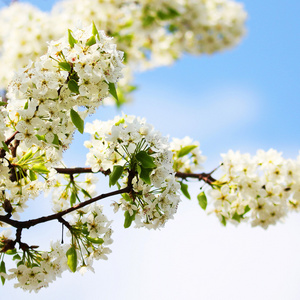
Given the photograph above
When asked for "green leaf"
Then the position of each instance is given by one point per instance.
(173, 12)
(16, 257)
(26, 156)
(91, 41)
(128, 219)
(26, 105)
(223, 221)
(77, 121)
(148, 20)
(145, 174)
(72, 258)
(2, 103)
(72, 198)
(73, 86)
(4, 146)
(202, 200)
(32, 175)
(55, 140)
(127, 197)
(112, 90)
(40, 168)
(237, 217)
(65, 66)
(247, 208)
(41, 137)
(11, 251)
(184, 190)
(145, 159)
(186, 150)
(98, 241)
(86, 193)
(115, 175)
(2, 269)
(95, 30)
(72, 41)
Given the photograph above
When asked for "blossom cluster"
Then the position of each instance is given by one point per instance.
(128, 144)
(91, 234)
(44, 98)
(187, 156)
(150, 33)
(47, 101)
(260, 188)
(24, 31)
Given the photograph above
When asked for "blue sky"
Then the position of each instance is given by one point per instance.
(243, 99)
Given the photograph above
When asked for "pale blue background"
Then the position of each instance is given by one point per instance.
(243, 99)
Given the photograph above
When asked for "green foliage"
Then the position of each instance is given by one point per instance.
(72, 41)
(202, 200)
(115, 175)
(65, 66)
(128, 219)
(73, 86)
(77, 121)
(39, 168)
(184, 190)
(4, 146)
(72, 258)
(145, 159)
(91, 41)
(3, 270)
(186, 150)
(112, 90)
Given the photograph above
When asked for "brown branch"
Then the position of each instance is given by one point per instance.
(206, 177)
(78, 170)
(58, 216)
(11, 138)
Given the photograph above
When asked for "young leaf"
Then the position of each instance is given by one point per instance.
(11, 251)
(77, 121)
(4, 146)
(115, 175)
(126, 197)
(39, 168)
(26, 156)
(237, 217)
(145, 159)
(16, 257)
(145, 175)
(55, 140)
(98, 241)
(86, 193)
(91, 41)
(73, 198)
(223, 221)
(72, 41)
(128, 219)
(186, 150)
(2, 269)
(32, 175)
(112, 90)
(202, 200)
(184, 189)
(247, 208)
(72, 258)
(65, 66)
(73, 86)
(95, 30)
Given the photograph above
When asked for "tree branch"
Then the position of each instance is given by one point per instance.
(206, 177)
(58, 216)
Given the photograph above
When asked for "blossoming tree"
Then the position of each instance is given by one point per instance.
(49, 90)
